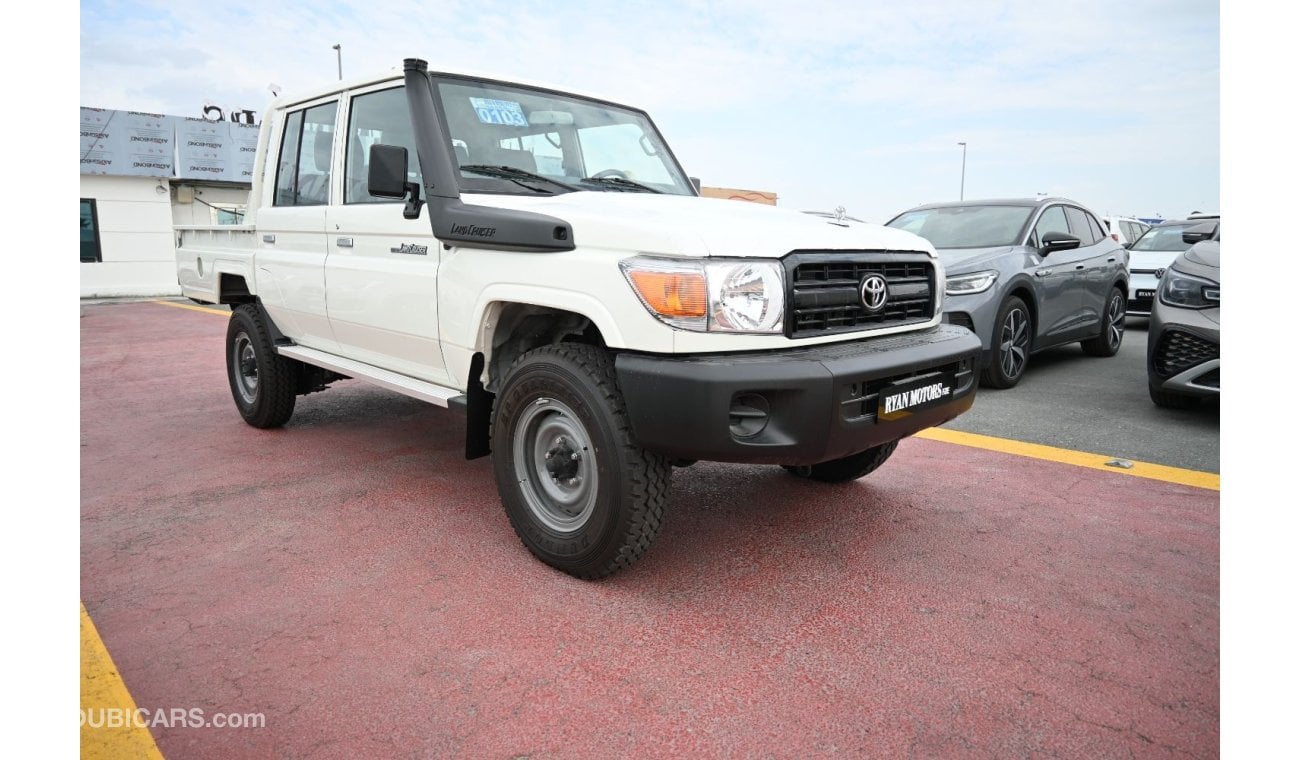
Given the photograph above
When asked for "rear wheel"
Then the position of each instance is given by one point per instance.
(848, 468)
(263, 383)
(581, 495)
(1011, 337)
(1112, 328)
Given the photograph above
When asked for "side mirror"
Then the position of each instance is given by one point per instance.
(1058, 241)
(387, 178)
(1194, 235)
(1129, 244)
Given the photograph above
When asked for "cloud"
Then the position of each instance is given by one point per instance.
(801, 98)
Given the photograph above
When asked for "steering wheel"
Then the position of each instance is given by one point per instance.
(611, 173)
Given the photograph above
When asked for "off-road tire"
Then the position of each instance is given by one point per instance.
(572, 387)
(848, 468)
(1004, 372)
(1108, 341)
(266, 402)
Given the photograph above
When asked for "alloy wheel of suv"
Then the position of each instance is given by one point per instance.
(1112, 329)
(1010, 344)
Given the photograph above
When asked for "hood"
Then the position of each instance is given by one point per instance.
(678, 225)
(1201, 260)
(963, 260)
(1205, 253)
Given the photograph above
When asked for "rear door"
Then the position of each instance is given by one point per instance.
(291, 225)
(381, 271)
(1096, 266)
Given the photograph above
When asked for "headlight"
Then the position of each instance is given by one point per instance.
(969, 284)
(1183, 290)
(716, 295)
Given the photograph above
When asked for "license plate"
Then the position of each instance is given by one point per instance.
(1146, 293)
(914, 394)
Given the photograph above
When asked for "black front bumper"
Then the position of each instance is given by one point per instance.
(797, 406)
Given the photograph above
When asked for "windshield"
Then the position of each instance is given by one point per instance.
(966, 226)
(1165, 237)
(577, 144)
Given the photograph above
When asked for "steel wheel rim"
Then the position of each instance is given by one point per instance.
(1014, 350)
(1115, 328)
(554, 466)
(244, 358)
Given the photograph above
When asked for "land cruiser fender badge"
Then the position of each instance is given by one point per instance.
(418, 250)
(873, 291)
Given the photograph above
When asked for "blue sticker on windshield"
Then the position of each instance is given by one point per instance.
(503, 112)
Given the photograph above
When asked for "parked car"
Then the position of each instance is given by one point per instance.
(1183, 338)
(1026, 275)
(1124, 229)
(1151, 254)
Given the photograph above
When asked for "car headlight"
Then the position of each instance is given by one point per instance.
(715, 295)
(969, 284)
(1188, 292)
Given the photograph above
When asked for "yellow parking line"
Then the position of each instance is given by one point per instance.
(193, 307)
(108, 730)
(1194, 478)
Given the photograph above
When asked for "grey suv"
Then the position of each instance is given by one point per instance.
(1026, 275)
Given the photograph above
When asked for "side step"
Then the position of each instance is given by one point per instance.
(407, 386)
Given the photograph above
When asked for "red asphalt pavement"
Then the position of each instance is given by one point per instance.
(353, 578)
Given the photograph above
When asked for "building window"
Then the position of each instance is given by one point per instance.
(89, 232)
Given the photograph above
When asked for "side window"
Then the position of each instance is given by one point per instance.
(286, 177)
(314, 155)
(377, 118)
(1097, 232)
(1052, 220)
(303, 177)
(1079, 226)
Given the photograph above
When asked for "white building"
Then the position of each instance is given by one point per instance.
(143, 173)
(127, 245)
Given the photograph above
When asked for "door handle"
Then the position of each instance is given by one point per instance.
(1111, 260)
(344, 242)
(1078, 266)
(268, 238)
(1042, 272)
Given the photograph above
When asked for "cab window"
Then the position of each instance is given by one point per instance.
(377, 118)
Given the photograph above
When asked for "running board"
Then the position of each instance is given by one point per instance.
(407, 386)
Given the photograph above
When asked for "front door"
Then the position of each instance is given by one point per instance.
(381, 271)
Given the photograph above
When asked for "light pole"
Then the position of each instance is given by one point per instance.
(963, 171)
(339, 49)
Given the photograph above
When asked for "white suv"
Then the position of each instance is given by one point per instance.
(1125, 229)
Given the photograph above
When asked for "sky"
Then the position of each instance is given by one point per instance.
(861, 105)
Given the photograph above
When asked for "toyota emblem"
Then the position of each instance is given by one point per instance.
(874, 292)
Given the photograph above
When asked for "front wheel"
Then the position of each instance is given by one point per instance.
(1112, 328)
(263, 383)
(581, 495)
(1011, 339)
(848, 468)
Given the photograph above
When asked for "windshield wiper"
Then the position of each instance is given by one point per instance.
(515, 174)
(621, 182)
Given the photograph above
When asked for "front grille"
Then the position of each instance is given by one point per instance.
(824, 291)
(1178, 351)
(1140, 305)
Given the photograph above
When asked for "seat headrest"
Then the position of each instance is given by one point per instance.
(323, 147)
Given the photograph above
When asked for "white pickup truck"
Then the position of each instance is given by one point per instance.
(539, 260)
